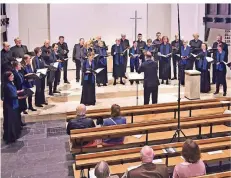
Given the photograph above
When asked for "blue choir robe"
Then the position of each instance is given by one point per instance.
(134, 61)
(54, 75)
(220, 67)
(165, 63)
(88, 90)
(11, 114)
(19, 84)
(203, 66)
(26, 70)
(149, 48)
(185, 52)
(118, 61)
(102, 63)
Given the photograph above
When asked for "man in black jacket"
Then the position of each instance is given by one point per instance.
(151, 80)
(19, 50)
(125, 43)
(63, 50)
(79, 55)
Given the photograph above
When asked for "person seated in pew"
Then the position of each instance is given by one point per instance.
(102, 170)
(192, 166)
(147, 169)
(115, 119)
(80, 122)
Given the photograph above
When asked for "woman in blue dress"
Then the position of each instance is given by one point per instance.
(11, 111)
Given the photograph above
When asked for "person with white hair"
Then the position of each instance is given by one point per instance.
(195, 45)
(148, 169)
(102, 170)
(117, 51)
(19, 50)
(80, 122)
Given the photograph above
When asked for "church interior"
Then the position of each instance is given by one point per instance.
(182, 113)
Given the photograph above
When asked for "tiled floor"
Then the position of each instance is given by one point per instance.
(38, 154)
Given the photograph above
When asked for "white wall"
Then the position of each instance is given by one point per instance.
(13, 27)
(33, 24)
(191, 20)
(159, 19)
(90, 20)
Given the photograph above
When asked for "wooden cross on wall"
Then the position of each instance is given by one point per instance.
(136, 18)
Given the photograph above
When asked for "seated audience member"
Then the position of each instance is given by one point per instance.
(192, 166)
(80, 122)
(147, 169)
(115, 119)
(102, 170)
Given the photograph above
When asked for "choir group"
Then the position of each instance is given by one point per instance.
(20, 71)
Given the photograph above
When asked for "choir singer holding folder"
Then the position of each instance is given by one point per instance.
(88, 90)
(38, 64)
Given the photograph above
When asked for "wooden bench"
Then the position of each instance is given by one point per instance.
(157, 108)
(226, 174)
(120, 160)
(155, 130)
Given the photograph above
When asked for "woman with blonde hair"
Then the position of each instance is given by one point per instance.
(88, 89)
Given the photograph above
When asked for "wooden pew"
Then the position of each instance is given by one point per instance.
(157, 108)
(120, 160)
(148, 128)
(226, 174)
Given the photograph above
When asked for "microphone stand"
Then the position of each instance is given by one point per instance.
(178, 130)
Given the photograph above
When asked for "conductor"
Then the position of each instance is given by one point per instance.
(151, 80)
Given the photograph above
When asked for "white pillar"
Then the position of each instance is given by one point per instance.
(13, 27)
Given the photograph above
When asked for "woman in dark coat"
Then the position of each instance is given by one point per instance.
(203, 67)
(38, 63)
(165, 62)
(11, 112)
(101, 77)
(88, 90)
(27, 69)
(19, 84)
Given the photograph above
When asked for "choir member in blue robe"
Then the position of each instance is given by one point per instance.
(101, 77)
(54, 76)
(165, 62)
(88, 90)
(134, 60)
(225, 49)
(141, 45)
(149, 47)
(185, 54)
(19, 84)
(39, 63)
(220, 70)
(11, 113)
(203, 67)
(27, 69)
(118, 62)
(195, 45)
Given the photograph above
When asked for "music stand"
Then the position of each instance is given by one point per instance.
(135, 77)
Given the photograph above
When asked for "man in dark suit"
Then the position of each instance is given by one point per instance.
(141, 45)
(151, 80)
(79, 55)
(125, 43)
(63, 50)
(147, 168)
(225, 48)
(19, 50)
